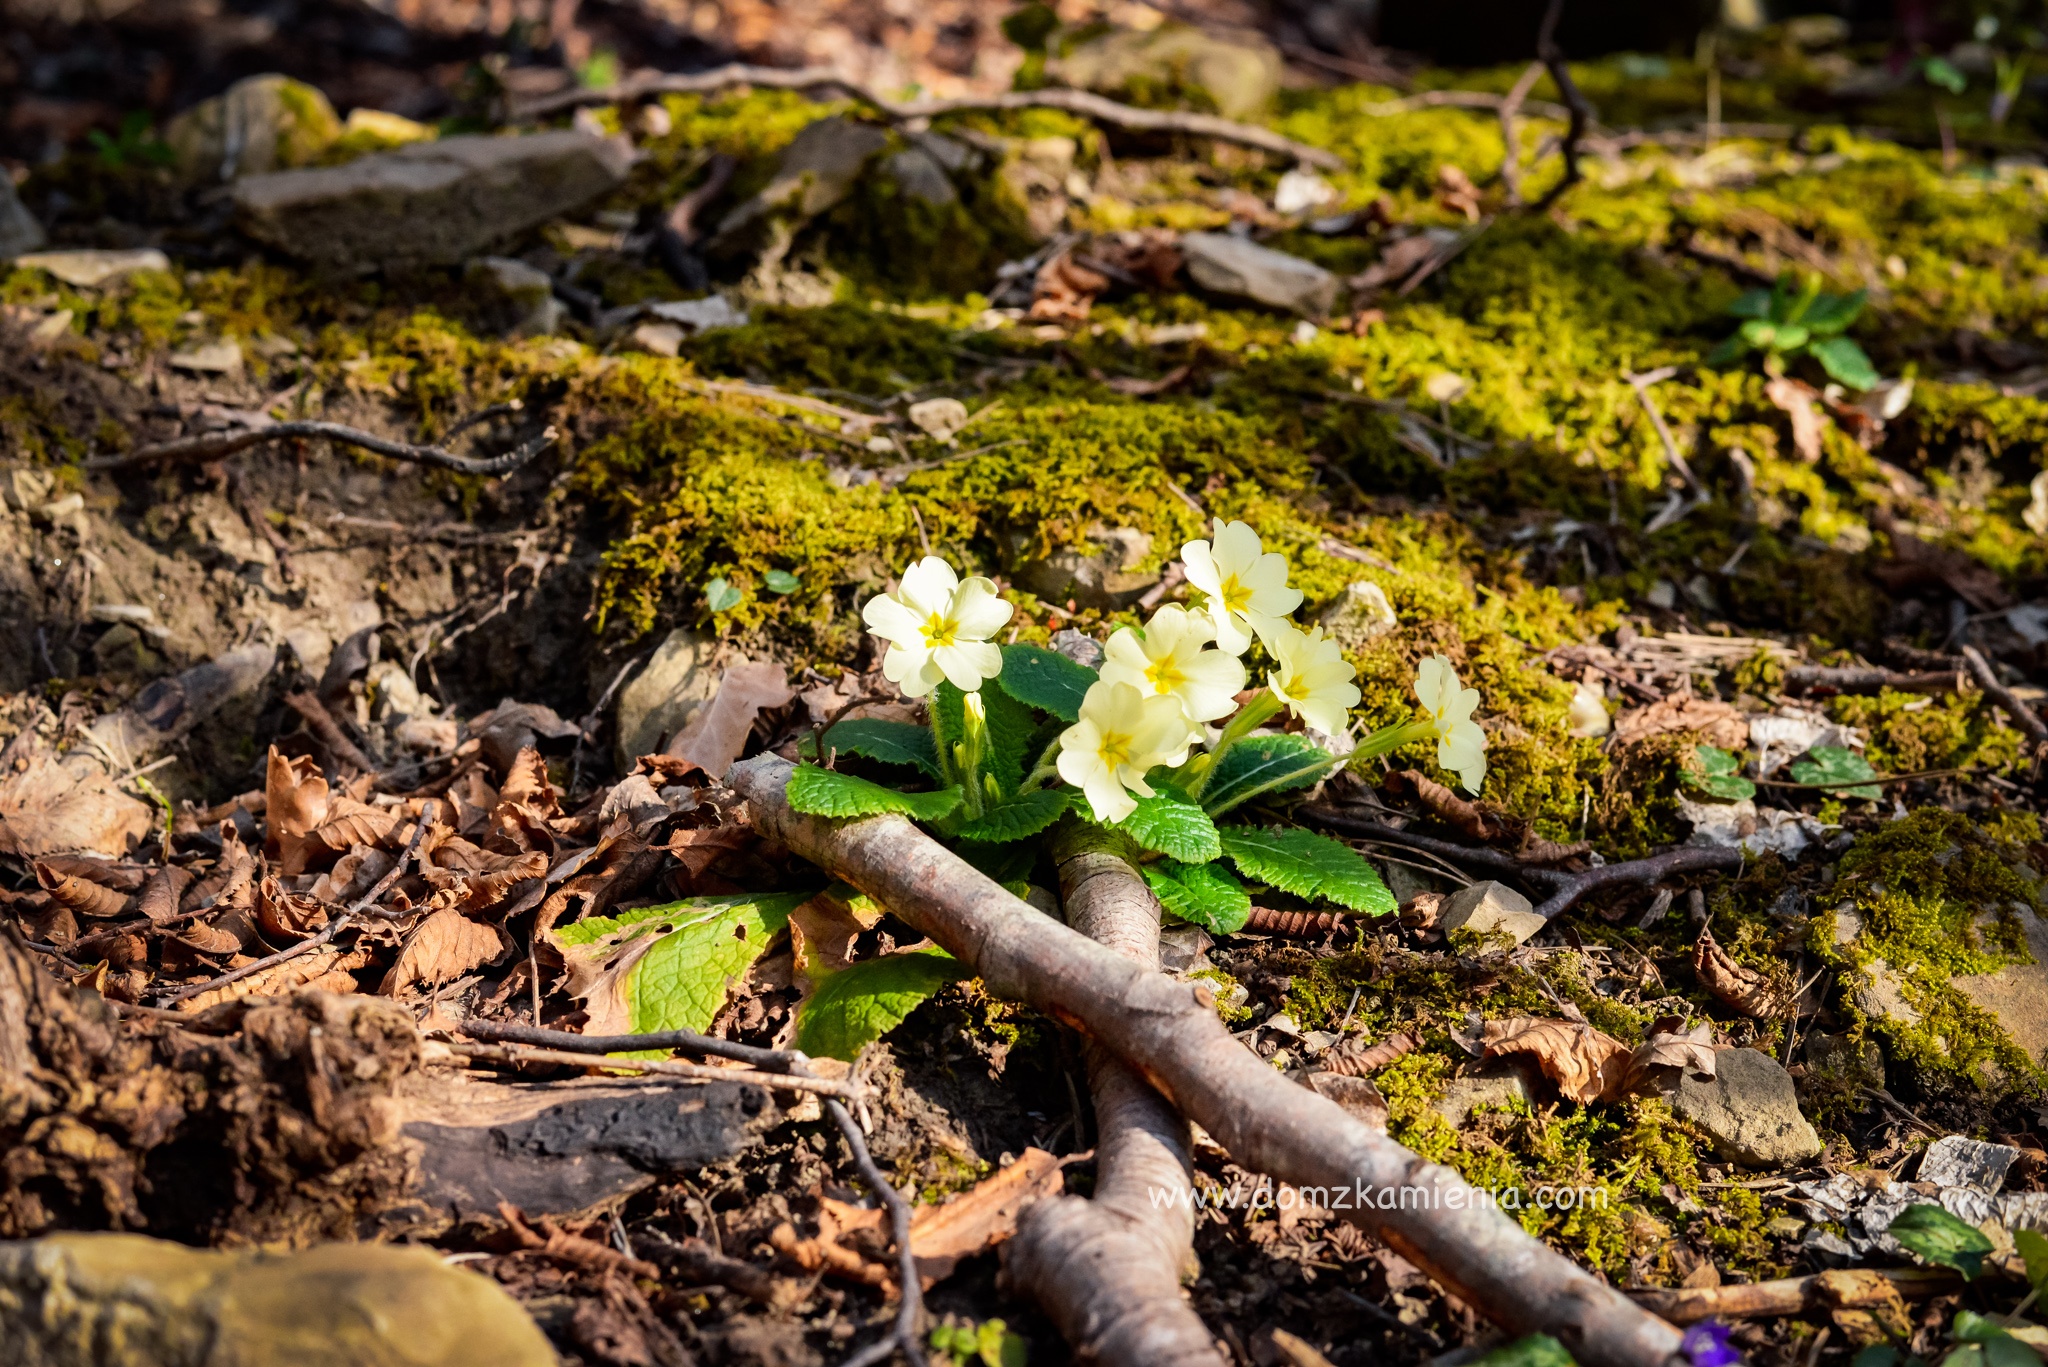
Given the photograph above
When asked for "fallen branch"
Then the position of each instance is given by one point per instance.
(1084, 103)
(1169, 1032)
(1511, 159)
(787, 1082)
(328, 731)
(217, 445)
(1552, 57)
(1866, 679)
(1107, 1269)
(1566, 888)
(1846, 1290)
(2023, 716)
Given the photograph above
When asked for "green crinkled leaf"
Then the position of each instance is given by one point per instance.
(1011, 727)
(1719, 775)
(1535, 1350)
(1841, 769)
(670, 967)
(1309, 866)
(827, 792)
(720, 595)
(781, 582)
(1045, 679)
(2033, 1248)
(1264, 764)
(1752, 304)
(1829, 314)
(891, 742)
(863, 1002)
(1174, 826)
(1202, 894)
(1017, 817)
(1845, 362)
(1941, 1238)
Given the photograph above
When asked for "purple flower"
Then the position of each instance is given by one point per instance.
(1706, 1345)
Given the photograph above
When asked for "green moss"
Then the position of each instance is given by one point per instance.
(1914, 732)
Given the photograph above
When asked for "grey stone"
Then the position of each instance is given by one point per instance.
(818, 169)
(432, 203)
(700, 315)
(2017, 995)
(660, 699)
(19, 231)
(89, 268)
(1748, 1109)
(1487, 908)
(920, 176)
(1239, 71)
(124, 1300)
(1878, 992)
(1498, 1084)
(1079, 647)
(1242, 268)
(211, 358)
(1842, 1061)
(516, 298)
(1104, 578)
(1359, 614)
(258, 124)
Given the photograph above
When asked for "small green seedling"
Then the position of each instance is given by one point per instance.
(720, 595)
(1942, 1239)
(988, 1344)
(1719, 774)
(1843, 771)
(1786, 323)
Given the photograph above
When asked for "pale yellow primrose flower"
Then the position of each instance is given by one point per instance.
(1314, 678)
(937, 626)
(1169, 659)
(1460, 744)
(1122, 734)
(1246, 584)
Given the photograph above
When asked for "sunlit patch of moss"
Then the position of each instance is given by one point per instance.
(1914, 732)
(846, 347)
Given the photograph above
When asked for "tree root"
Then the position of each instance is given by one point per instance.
(1565, 888)
(1168, 1031)
(1845, 1290)
(2023, 716)
(216, 445)
(1107, 1269)
(1081, 102)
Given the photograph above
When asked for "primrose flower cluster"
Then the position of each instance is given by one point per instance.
(1162, 689)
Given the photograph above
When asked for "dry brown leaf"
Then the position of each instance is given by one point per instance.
(1718, 722)
(354, 874)
(1801, 403)
(1064, 291)
(1668, 1045)
(717, 734)
(1152, 256)
(295, 803)
(161, 895)
(1745, 989)
(487, 878)
(350, 823)
(822, 930)
(444, 947)
(1355, 1058)
(286, 915)
(81, 896)
(51, 807)
(1447, 807)
(527, 782)
(117, 948)
(326, 969)
(699, 848)
(1586, 1064)
(972, 1222)
(105, 872)
(204, 939)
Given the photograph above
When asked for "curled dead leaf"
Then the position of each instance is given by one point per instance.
(1064, 290)
(1717, 722)
(1355, 1058)
(1468, 818)
(1586, 1064)
(325, 969)
(80, 895)
(444, 947)
(1745, 989)
(1669, 1045)
(1799, 402)
(287, 915)
(295, 803)
(717, 733)
(161, 895)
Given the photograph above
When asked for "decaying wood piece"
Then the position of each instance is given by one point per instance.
(1108, 1269)
(2024, 717)
(1169, 1032)
(1847, 1289)
(287, 1120)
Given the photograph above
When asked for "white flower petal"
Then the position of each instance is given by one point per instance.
(977, 612)
(967, 663)
(928, 585)
(892, 621)
(1199, 561)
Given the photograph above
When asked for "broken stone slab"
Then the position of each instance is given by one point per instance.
(711, 312)
(1242, 268)
(1880, 994)
(919, 176)
(124, 1300)
(1358, 615)
(1748, 1109)
(1865, 1213)
(2017, 995)
(517, 299)
(1079, 647)
(19, 230)
(659, 701)
(258, 124)
(1106, 578)
(90, 268)
(1741, 823)
(432, 203)
(1498, 1085)
(817, 170)
(1487, 908)
(1959, 1161)
(211, 358)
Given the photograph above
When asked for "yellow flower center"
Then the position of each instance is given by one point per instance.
(1115, 749)
(1236, 597)
(1165, 675)
(938, 632)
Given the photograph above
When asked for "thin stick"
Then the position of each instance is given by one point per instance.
(1511, 160)
(2023, 716)
(332, 929)
(328, 731)
(680, 1041)
(1552, 57)
(788, 1082)
(1460, 99)
(1860, 782)
(217, 445)
(1641, 384)
(1081, 102)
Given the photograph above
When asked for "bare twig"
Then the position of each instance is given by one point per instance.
(1552, 57)
(1510, 109)
(1107, 1268)
(1866, 679)
(328, 731)
(1090, 106)
(904, 1335)
(1566, 888)
(1168, 1031)
(1460, 99)
(680, 1041)
(657, 1067)
(2023, 716)
(1641, 384)
(216, 445)
(1794, 1295)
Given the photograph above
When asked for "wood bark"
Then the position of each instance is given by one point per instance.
(1169, 1032)
(1108, 1269)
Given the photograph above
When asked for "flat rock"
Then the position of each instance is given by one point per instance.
(89, 268)
(1240, 267)
(711, 312)
(1359, 614)
(432, 203)
(1106, 577)
(658, 700)
(1239, 71)
(2017, 995)
(19, 230)
(123, 1300)
(212, 358)
(817, 170)
(1878, 991)
(1485, 908)
(1959, 1161)
(518, 299)
(1498, 1085)
(1748, 1109)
